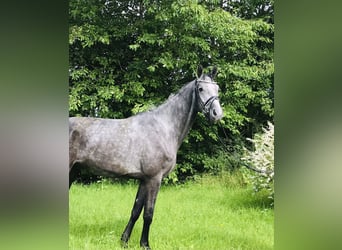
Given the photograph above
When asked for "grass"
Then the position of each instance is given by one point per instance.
(210, 213)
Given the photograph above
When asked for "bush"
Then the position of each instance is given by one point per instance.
(262, 159)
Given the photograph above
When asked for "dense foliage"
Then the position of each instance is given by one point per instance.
(128, 56)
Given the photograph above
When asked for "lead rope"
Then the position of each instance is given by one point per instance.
(240, 162)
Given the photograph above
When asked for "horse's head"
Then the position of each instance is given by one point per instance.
(207, 95)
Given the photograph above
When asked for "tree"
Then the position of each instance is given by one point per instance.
(127, 56)
(250, 9)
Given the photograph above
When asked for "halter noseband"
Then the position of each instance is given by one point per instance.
(205, 106)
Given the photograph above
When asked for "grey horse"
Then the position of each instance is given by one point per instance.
(143, 146)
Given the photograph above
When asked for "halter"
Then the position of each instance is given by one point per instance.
(205, 106)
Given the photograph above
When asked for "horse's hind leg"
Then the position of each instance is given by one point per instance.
(136, 210)
(152, 186)
(73, 172)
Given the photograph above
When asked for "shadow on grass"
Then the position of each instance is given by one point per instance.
(238, 193)
(248, 199)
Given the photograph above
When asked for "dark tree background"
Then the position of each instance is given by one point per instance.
(128, 56)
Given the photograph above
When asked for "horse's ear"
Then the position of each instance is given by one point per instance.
(213, 72)
(199, 71)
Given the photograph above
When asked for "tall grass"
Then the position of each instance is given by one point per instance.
(210, 213)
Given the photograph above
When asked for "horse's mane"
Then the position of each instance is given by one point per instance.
(172, 97)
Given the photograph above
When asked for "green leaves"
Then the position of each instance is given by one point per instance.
(128, 56)
(88, 35)
(166, 60)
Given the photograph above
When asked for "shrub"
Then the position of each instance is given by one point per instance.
(262, 159)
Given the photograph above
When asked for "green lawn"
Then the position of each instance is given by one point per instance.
(210, 213)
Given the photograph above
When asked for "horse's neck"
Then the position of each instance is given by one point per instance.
(179, 113)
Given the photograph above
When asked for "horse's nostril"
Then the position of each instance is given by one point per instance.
(214, 112)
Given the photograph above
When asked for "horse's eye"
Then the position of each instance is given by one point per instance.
(200, 89)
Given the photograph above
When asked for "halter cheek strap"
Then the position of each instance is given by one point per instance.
(205, 106)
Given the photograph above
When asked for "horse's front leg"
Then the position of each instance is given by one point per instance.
(152, 186)
(136, 210)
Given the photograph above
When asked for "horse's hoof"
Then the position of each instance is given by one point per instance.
(145, 247)
(124, 244)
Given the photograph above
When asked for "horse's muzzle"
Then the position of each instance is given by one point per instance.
(215, 113)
